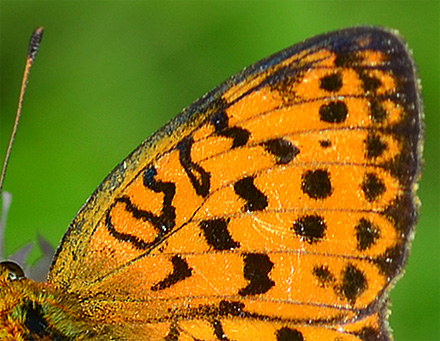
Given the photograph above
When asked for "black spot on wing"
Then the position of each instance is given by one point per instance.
(283, 150)
(288, 334)
(374, 146)
(210, 312)
(369, 83)
(220, 121)
(377, 112)
(311, 228)
(370, 334)
(354, 283)
(200, 178)
(180, 271)
(392, 260)
(239, 136)
(217, 235)
(402, 212)
(325, 143)
(366, 234)
(255, 199)
(256, 270)
(372, 187)
(331, 83)
(324, 276)
(316, 183)
(333, 112)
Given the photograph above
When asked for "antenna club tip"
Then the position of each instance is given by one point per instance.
(34, 43)
(39, 30)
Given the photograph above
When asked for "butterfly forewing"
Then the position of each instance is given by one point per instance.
(281, 204)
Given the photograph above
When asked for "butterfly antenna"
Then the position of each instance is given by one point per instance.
(34, 43)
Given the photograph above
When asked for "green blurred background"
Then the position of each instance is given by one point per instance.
(111, 73)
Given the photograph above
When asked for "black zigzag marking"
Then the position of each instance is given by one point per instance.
(200, 178)
(181, 270)
(240, 136)
(163, 223)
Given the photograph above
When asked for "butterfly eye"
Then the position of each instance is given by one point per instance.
(15, 272)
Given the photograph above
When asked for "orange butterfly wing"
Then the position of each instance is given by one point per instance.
(279, 206)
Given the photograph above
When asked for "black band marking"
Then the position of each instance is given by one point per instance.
(231, 308)
(218, 330)
(347, 59)
(239, 135)
(284, 79)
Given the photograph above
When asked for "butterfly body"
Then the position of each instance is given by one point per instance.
(279, 206)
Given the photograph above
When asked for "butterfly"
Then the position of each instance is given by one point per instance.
(279, 206)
